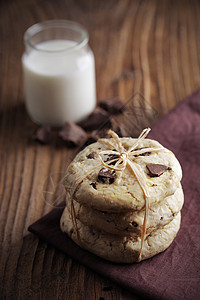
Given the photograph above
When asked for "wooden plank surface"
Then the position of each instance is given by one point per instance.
(150, 47)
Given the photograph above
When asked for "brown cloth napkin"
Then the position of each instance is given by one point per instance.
(175, 273)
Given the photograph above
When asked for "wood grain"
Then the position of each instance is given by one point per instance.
(147, 47)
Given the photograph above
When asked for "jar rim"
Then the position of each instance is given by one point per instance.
(34, 29)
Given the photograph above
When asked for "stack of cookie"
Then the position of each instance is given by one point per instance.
(123, 198)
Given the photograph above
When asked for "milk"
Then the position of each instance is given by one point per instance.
(59, 80)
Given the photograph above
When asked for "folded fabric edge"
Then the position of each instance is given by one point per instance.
(45, 227)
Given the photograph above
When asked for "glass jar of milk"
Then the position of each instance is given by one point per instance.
(59, 73)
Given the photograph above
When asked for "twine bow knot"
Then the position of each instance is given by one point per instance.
(126, 157)
(122, 159)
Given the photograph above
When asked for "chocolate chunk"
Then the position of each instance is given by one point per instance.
(43, 134)
(99, 118)
(100, 134)
(94, 185)
(95, 135)
(109, 157)
(88, 142)
(72, 134)
(106, 175)
(112, 105)
(134, 224)
(91, 155)
(156, 170)
(143, 154)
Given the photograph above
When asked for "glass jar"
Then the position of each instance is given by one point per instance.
(59, 73)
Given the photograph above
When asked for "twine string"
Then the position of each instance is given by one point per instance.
(123, 159)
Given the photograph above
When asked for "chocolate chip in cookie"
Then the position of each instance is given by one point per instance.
(106, 175)
(155, 170)
(91, 155)
(109, 157)
(94, 185)
(143, 154)
(134, 224)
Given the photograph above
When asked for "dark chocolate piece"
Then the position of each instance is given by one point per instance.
(99, 118)
(91, 155)
(88, 142)
(72, 134)
(106, 175)
(43, 134)
(155, 170)
(95, 135)
(100, 134)
(112, 105)
(94, 185)
(109, 157)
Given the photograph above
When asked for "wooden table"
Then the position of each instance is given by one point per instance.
(151, 47)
